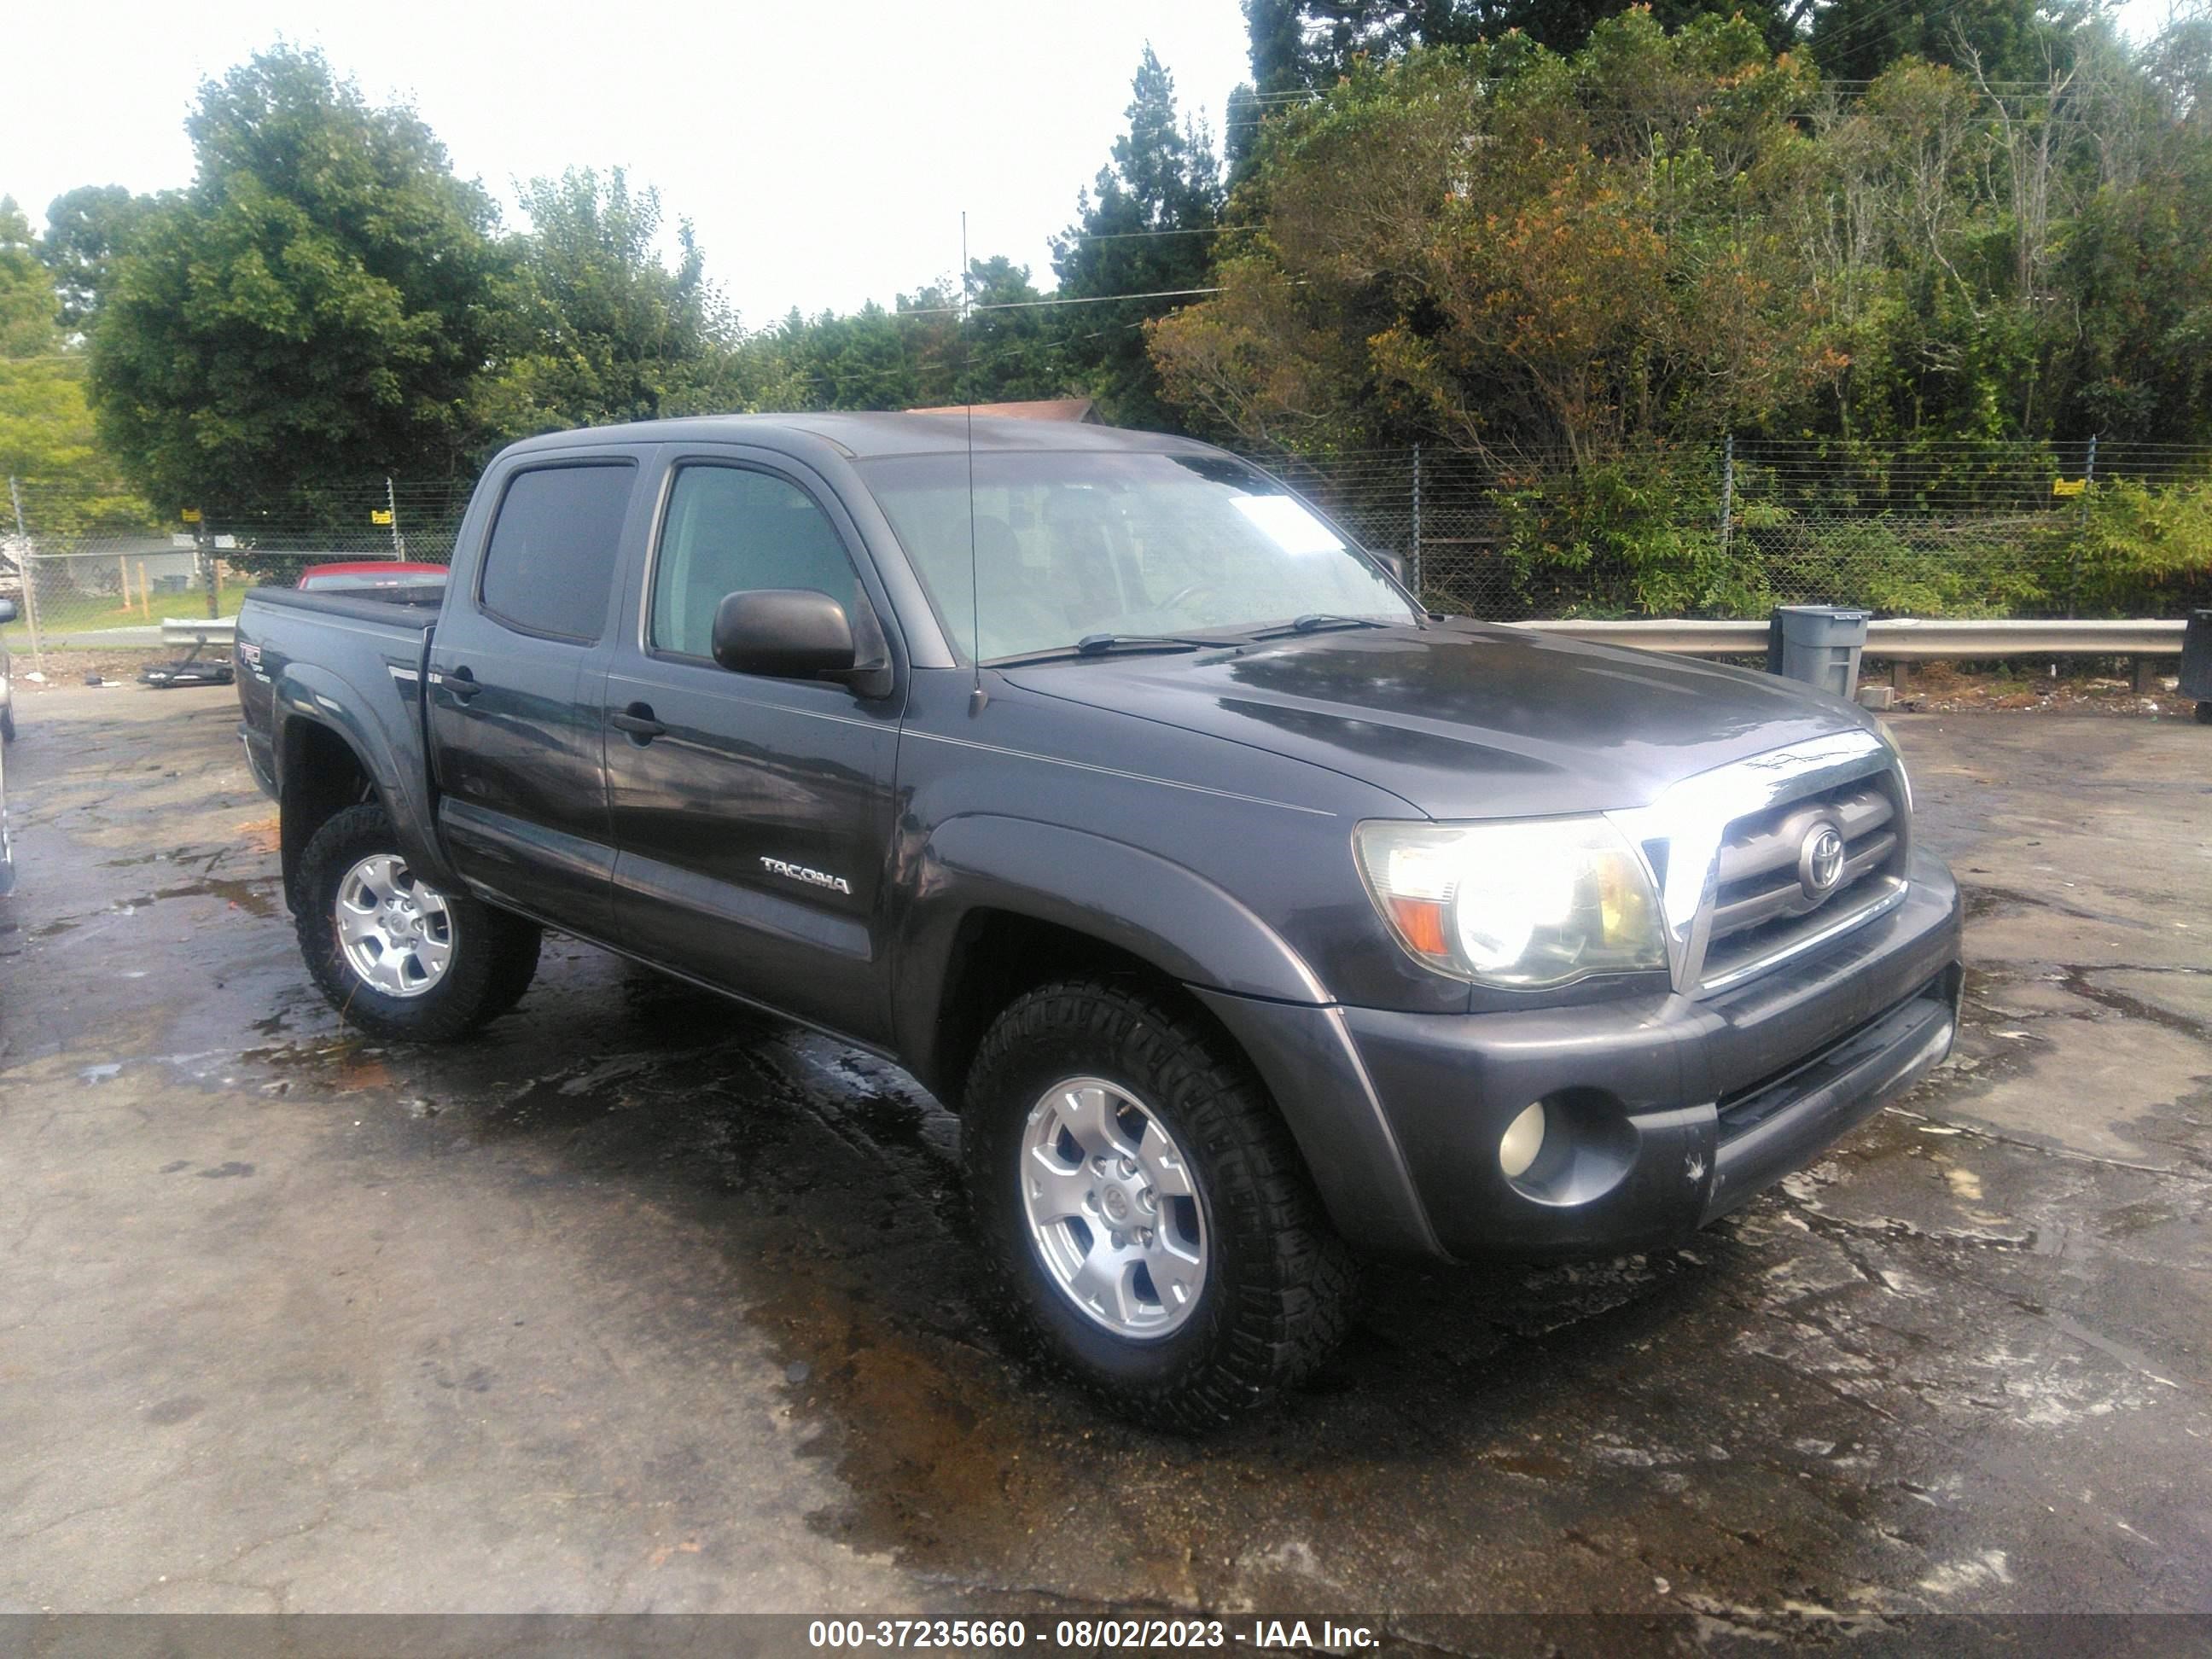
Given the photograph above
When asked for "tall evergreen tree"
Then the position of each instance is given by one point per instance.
(1144, 228)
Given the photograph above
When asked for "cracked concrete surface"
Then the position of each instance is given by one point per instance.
(639, 1302)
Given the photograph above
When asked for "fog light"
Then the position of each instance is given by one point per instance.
(1522, 1140)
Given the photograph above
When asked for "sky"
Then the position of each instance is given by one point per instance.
(824, 151)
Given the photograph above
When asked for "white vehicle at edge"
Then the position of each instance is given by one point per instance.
(7, 736)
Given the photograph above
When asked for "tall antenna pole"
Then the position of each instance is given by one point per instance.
(977, 696)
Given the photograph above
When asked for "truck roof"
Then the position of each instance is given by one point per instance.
(865, 436)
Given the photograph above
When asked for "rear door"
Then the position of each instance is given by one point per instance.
(751, 816)
(516, 668)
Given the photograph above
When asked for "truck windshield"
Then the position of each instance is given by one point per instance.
(1076, 544)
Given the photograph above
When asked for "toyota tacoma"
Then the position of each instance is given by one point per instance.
(1254, 919)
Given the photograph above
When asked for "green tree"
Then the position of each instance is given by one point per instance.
(914, 354)
(1518, 252)
(317, 306)
(2134, 266)
(600, 329)
(29, 325)
(46, 437)
(2013, 39)
(1143, 226)
(1013, 346)
(1309, 44)
(86, 228)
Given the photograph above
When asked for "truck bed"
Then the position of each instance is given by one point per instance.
(409, 608)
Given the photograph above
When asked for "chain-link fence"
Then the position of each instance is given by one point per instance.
(91, 568)
(1951, 527)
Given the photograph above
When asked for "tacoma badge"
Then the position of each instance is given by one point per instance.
(812, 878)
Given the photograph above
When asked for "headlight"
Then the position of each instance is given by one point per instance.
(1525, 905)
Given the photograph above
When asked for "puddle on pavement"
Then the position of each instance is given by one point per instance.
(253, 894)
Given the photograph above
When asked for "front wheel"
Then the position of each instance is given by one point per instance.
(1143, 1208)
(395, 955)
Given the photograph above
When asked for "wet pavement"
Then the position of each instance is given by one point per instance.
(641, 1301)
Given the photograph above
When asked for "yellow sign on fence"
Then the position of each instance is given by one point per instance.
(190, 515)
(379, 515)
(2069, 486)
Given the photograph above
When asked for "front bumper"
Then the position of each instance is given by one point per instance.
(1665, 1112)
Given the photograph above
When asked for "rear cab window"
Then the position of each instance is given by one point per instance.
(549, 567)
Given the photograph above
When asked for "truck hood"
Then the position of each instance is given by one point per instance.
(1465, 720)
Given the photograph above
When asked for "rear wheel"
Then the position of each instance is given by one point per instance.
(1143, 1208)
(395, 955)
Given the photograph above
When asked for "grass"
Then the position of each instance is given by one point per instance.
(83, 613)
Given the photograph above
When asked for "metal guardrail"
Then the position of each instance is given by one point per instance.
(1897, 639)
(221, 630)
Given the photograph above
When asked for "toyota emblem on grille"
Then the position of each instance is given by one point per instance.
(1820, 861)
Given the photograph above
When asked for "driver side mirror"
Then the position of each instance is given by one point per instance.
(1392, 562)
(793, 634)
(7, 610)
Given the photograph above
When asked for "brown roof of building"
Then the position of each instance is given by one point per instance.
(1045, 409)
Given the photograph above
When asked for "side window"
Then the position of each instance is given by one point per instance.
(549, 566)
(731, 529)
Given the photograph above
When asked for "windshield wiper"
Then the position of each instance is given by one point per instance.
(1092, 645)
(1101, 645)
(1314, 622)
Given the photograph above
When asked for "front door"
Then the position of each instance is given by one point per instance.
(516, 668)
(751, 815)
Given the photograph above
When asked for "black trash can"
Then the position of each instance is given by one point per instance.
(2196, 664)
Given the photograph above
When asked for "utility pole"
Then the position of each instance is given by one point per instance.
(203, 550)
(30, 576)
(1728, 492)
(1417, 520)
(2081, 526)
(392, 517)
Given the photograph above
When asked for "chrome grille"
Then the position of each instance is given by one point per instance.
(1764, 909)
(1725, 845)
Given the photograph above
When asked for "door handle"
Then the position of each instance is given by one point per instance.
(461, 682)
(637, 721)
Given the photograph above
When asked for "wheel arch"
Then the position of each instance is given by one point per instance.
(1004, 904)
(328, 754)
(1009, 905)
(333, 749)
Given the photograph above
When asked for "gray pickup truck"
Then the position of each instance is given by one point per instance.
(1254, 919)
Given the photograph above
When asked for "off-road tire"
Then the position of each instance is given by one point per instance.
(495, 955)
(2204, 714)
(1278, 1294)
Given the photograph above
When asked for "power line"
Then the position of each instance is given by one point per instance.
(1136, 236)
(1070, 300)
